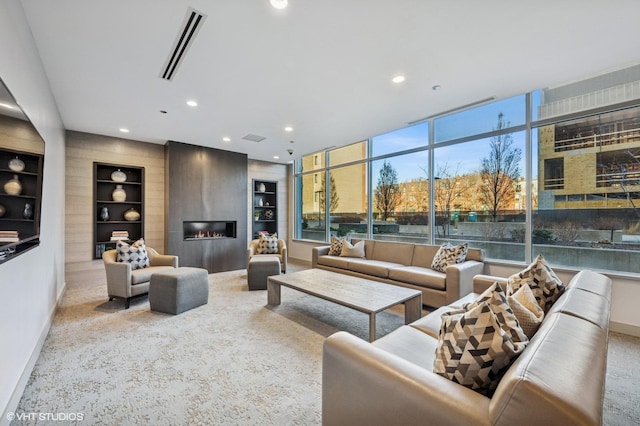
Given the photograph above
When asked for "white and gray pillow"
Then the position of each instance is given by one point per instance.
(352, 250)
(448, 255)
(526, 309)
(268, 244)
(544, 283)
(134, 254)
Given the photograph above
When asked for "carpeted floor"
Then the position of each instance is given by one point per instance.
(234, 361)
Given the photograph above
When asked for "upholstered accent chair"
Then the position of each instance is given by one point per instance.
(254, 250)
(124, 283)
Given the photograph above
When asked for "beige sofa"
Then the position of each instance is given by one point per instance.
(407, 265)
(557, 380)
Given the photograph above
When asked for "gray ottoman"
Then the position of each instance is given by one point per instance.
(178, 290)
(259, 268)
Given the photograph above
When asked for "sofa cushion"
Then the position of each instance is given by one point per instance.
(377, 268)
(141, 276)
(430, 324)
(423, 255)
(526, 309)
(336, 246)
(352, 250)
(496, 299)
(134, 254)
(473, 350)
(334, 261)
(419, 276)
(544, 283)
(410, 344)
(393, 252)
(449, 255)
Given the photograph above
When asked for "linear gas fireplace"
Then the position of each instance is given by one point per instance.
(209, 230)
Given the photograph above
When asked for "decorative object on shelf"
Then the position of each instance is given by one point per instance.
(131, 215)
(261, 187)
(104, 214)
(266, 204)
(119, 194)
(28, 211)
(256, 216)
(17, 165)
(119, 176)
(260, 202)
(268, 214)
(13, 186)
(2, 210)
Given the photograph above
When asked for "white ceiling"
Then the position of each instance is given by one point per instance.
(321, 66)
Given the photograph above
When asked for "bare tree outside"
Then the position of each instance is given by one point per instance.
(387, 193)
(334, 199)
(499, 170)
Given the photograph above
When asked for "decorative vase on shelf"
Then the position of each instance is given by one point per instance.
(261, 187)
(13, 186)
(131, 215)
(2, 210)
(28, 211)
(104, 214)
(119, 194)
(17, 165)
(260, 202)
(119, 176)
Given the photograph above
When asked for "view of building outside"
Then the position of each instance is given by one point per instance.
(582, 199)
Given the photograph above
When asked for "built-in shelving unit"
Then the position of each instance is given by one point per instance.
(104, 185)
(17, 218)
(265, 207)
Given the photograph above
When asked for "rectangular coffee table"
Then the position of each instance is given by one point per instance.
(367, 296)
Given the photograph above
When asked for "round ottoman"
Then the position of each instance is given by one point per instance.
(177, 290)
(259, 268)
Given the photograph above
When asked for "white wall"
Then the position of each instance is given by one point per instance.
(32, 283)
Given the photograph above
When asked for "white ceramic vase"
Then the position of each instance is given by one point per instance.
(17, 165)
(119, 176)
(119, 194)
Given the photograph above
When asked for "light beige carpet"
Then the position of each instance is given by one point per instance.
(234, 361)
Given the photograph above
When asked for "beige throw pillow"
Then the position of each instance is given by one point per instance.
(526, 309)
(355, 250)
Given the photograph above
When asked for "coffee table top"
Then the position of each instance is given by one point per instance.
(357, 293)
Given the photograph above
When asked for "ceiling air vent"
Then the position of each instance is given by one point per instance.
(254, 138)
(191, 24)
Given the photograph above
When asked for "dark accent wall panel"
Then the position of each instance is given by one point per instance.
(206, 184)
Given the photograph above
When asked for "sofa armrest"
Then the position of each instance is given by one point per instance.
(118, 279)
(459, 280)
(363, 384)
(164, 260)
(483, 282)
(317, 252)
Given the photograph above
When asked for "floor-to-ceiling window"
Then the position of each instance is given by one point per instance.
(553, 172)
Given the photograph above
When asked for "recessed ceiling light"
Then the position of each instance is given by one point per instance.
(275, 157)
(279, 4)
(288, 129)
(7, 106)
(226, 139)
(123, 130)
(192, 103)
(398, 79)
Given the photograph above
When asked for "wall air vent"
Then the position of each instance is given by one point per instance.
(191, 25)
(254, 138)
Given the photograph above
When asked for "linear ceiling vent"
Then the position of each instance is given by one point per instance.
(191, 25)
(254, 138)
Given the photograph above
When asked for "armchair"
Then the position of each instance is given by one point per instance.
(253, 250)
(125, 283)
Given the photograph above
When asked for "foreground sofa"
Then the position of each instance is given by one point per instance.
(557, 380)
(407, 265)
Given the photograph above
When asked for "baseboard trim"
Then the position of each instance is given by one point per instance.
(619, 327)
(26, 373)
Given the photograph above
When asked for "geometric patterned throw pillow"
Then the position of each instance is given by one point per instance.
(336, 246)
(473, 350)
(448, 255)
(268, 244)
(135, 254)
(544, 283)
(526, 309)
(496, 299)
